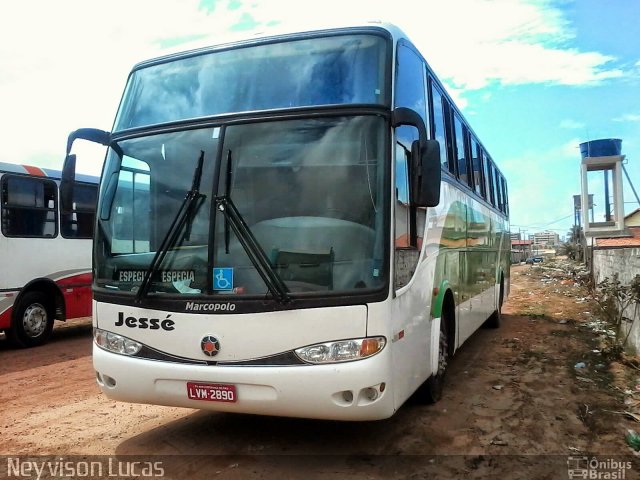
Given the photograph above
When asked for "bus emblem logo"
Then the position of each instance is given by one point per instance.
(210, 345)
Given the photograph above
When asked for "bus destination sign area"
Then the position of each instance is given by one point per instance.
(163, 276)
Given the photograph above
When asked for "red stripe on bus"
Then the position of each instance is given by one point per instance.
(83, 279)
(34, 171)
(5, 318)
(76, 291)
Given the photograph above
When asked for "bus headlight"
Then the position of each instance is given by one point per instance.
(115, 343)
(342, 350)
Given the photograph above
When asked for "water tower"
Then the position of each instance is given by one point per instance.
(602, 168)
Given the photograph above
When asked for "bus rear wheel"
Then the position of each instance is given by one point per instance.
(495, 319)
(32, 320)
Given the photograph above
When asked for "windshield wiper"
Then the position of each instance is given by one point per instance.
(252, 247)
(190, 205)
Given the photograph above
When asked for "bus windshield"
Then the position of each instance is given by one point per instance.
(336, 70)
(310, 192)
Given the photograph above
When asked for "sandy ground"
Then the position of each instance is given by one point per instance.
(514, 407)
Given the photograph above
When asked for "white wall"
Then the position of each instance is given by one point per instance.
(626, 263)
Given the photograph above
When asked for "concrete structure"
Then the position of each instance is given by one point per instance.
(625, 261)
(633, 219)
(520, 250)
(546, 238)
(603, 155)
(632, 241)
(621, 255)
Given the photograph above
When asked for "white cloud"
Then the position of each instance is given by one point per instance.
(571, 124)
(542, 184)
(511, 42)
(628, 117)
(69, 67)
(65, 63)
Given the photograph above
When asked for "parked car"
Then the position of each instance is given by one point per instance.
(532, 260)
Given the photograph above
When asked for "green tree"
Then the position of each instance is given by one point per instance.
(575, 235)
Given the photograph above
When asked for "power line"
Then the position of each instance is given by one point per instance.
(538, 225)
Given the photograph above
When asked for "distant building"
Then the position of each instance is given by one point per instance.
(633, 219)
(520, 250)
(546, 238)
(515, 236)
(632, 239)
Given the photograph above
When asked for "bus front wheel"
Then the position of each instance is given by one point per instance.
(431, 390)
(32, 320)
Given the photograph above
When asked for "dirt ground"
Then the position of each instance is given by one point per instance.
(515, 406)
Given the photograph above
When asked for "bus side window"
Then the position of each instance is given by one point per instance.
(460, 152)
(29, 207)
(487, 179)
(410, 88)
(503, 195)
(410, 221)
(496, 188)
(79, 223)
(506, 197)
(438, 130)
(402, 197)
(476, 163)
(131, 208)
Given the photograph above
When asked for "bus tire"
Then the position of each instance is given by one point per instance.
(495, 319)
(32, 320)
(431, 390)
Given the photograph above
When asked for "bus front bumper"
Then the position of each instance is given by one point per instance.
(358, 390)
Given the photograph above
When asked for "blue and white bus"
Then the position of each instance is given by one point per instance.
(300, 225)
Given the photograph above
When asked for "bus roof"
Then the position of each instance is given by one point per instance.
(42, 172)
(282, 32)
(211, 43)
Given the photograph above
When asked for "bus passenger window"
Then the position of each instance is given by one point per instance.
(402, 197)
(410, 221)
(79, 223)
(496, 188)
(438, 125)
(410, 90)
(487, 179)
(476, 163)
(29, 207)
(460, 153)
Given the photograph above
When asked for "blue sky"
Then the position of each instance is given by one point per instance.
(534, 78)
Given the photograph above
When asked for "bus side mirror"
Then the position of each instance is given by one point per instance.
(426, 174)
(69, 168)
(66, 184)
(425, 154)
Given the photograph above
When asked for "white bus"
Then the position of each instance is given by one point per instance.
(46, 253)
(299, 225)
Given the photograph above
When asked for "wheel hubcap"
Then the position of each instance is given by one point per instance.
(34, 320)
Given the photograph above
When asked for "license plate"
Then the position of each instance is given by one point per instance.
(211, 392)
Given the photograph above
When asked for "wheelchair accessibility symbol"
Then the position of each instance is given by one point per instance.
(223, 278)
